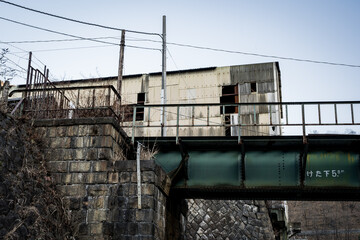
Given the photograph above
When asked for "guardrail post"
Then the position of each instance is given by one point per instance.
(133, 126)
(303, 122)
(208, 115)
(335, 110)
(177, 124)
(239, 125)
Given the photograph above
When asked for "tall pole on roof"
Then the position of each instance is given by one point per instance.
(163, 80)
(121, 62)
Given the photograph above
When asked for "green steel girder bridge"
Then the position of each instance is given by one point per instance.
(326, 167)
(299, 165)
(305, 166)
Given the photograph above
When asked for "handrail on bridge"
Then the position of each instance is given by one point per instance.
(71, 102)
(217, 119)
(272, 114)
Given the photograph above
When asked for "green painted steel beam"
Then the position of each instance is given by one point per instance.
(327, 167)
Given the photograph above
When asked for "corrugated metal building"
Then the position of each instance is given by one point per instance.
(232, 84)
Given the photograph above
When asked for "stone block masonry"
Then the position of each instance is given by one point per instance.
(228, 219)
(81, 156)
(86, 158)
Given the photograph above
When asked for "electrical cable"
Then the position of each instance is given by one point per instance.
(74, 36)
(56, 32)
(54, 40)
(202, 48)
(78, 21)
(263, 55)
(177, 44)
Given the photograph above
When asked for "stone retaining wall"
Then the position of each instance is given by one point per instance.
(86, 160)
(228, 219)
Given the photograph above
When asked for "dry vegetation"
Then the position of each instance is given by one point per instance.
(30, 208)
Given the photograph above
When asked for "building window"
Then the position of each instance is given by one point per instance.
(140, 110)
(253, 87)
(128, 110)
(229, 94)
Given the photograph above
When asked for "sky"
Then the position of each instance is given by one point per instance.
(322, 30)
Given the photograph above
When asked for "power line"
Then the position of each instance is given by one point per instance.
(170, 43)
(263, 55)
(78, 21)
(74, 36)
(55, 40)
(56, 32)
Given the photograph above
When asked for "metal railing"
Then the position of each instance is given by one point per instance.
(301, 115)
(236, 119)
(71, 102)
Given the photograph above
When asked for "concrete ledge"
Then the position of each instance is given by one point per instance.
(83, 121)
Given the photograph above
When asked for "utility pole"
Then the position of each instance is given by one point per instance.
(163, 80)
(121, 62)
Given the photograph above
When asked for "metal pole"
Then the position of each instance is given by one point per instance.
(138, 174)
(28, 78)
(163, 80)
(121, 62)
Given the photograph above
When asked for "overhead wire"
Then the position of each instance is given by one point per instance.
(176, 44)
(78, 21)
(74, 36)
(53, 40)
(263, 55)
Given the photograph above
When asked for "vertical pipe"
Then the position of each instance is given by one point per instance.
(287, 116)
(352, 113)
(270, 106)
(163, 80)
(138, 174)
(148, 116)
(319, 113)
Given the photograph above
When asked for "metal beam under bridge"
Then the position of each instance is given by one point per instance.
(326, 167)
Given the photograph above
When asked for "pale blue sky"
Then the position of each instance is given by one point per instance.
(316, 30)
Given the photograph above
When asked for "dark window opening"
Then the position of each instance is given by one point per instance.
(128, 110)
(140, 110)
(230, 95)
(253, 87)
